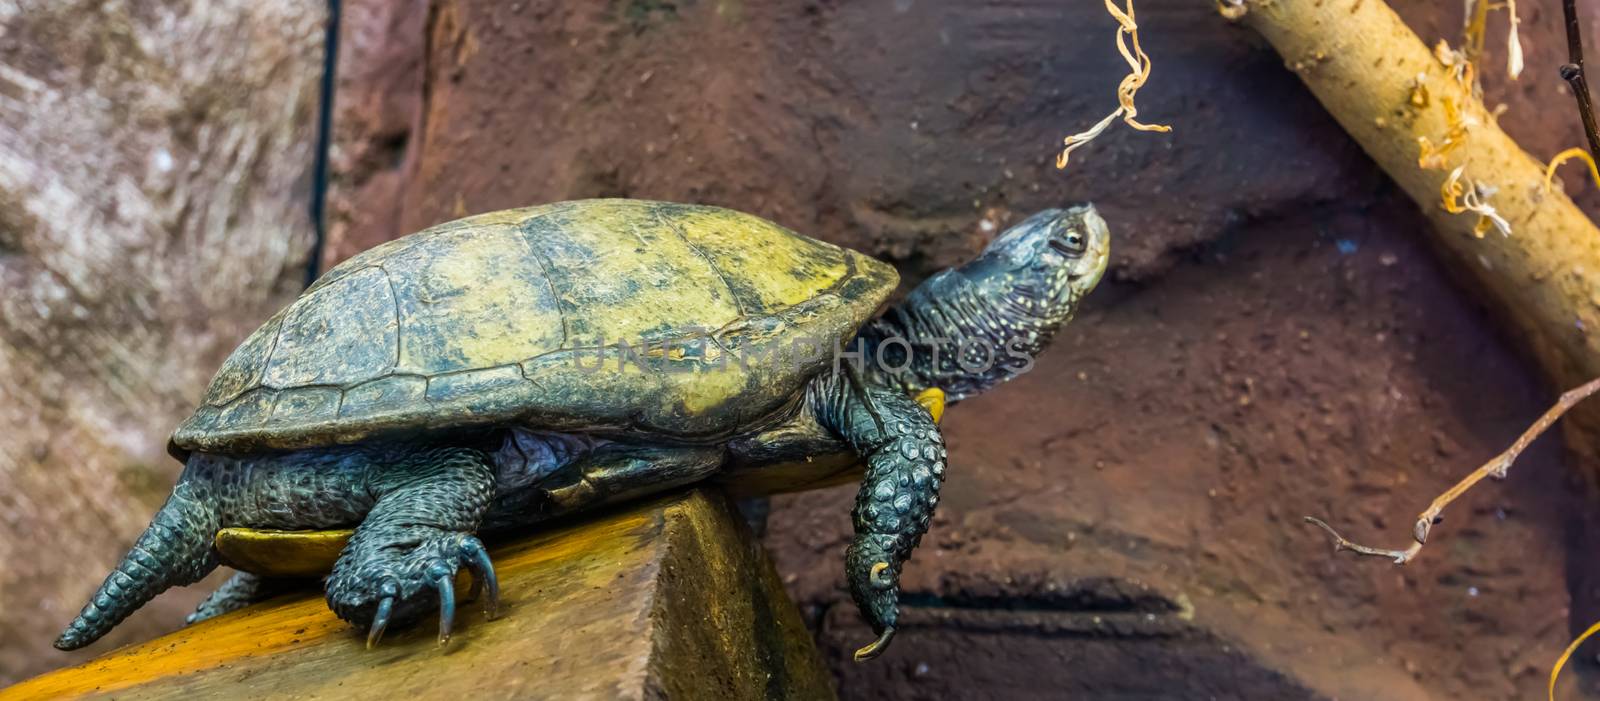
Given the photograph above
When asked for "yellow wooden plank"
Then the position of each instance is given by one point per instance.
(669, 597)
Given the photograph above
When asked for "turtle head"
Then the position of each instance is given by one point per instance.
(969, 328)
(1046, 263)
(873, 569)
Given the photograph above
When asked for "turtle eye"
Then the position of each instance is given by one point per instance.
(1071, 245)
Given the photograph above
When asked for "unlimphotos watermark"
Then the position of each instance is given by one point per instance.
(702, 352)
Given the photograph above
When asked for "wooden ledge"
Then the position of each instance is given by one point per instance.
(669, 599)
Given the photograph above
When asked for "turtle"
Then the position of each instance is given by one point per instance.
(505, 368)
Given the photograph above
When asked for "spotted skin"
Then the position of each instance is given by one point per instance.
(972, 327)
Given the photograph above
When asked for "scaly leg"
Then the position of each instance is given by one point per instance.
(304, 489)
(403, 558)
(905, 459)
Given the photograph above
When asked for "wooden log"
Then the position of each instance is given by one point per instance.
(668, 599)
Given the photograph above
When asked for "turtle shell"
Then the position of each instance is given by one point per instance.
(687, 322)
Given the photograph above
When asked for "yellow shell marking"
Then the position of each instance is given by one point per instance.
(659, 287)
(473, 299)
(791, 269)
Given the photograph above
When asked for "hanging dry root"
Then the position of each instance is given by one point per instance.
(1139, 67)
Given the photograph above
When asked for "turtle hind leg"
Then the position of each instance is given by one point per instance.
(315, 488)
(174, 550)
(241, 590)
(403, 559)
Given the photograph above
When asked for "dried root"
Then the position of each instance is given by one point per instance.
(1475, 26)
(1458, 194)
(1139, 67)
(1460, 64)
(1432, 157)
(1513, 43)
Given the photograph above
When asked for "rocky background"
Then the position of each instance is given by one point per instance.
(1275, 339)
(153, 190)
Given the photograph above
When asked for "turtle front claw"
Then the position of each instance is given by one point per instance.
(875, 585)
(380, 621)
(447, 602)
(483, 579)
(380, 586)
(877, 647)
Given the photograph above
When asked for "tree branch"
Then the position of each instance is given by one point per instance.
(1572, 72)
(1496, 468)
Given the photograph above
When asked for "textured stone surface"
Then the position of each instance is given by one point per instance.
(153, 162)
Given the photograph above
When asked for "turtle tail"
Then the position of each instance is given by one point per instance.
(176, 549)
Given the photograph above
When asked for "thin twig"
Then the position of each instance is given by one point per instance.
(1572, 72)
(1496, 468)
(1341, 543)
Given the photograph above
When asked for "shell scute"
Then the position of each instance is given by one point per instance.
(339, 334)
(627, 275)
(375, 397)
(472, 298)
(251, 409)
(459, 385)
(306, 404)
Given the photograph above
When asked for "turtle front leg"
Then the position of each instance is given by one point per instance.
(905, 458)
(403, 559)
